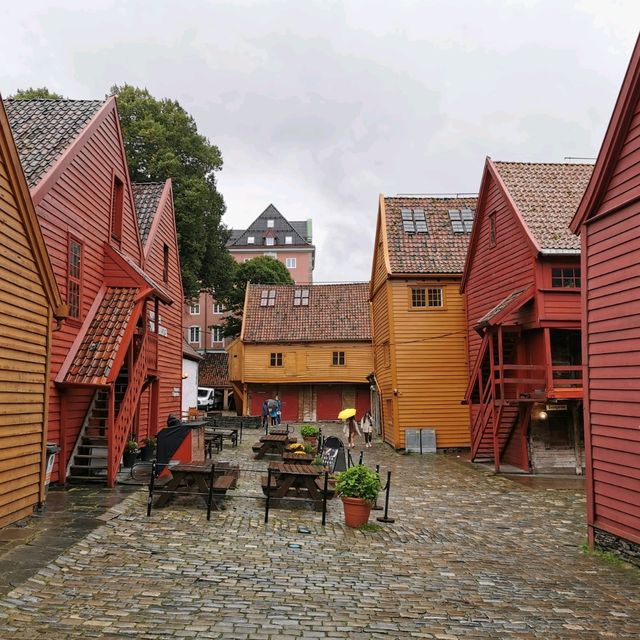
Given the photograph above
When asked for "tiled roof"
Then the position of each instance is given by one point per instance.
(438, 251)
(43, 129)
(189, 352)
(95, 356)
(214, 370)
(147, 197)
(515, 300)
(335, 312)
(258, 228)
(547, 196)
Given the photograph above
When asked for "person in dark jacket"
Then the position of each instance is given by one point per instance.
(265, 413)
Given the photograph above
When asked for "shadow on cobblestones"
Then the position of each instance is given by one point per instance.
(471, 555)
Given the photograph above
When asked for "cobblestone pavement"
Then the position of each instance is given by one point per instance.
(471, 555)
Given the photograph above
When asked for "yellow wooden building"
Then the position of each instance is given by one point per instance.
(418, 317)
(29, 303)
(310, 345)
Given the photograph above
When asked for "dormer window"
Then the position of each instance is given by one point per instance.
(269, 224)
(288, 239)
(268, 298)
(414, 221)
(269, 241)
(461, 220)
(251, 240)
(301, 298)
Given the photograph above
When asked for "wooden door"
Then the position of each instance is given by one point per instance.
(290, 402)
(328, 402)
(363, 401)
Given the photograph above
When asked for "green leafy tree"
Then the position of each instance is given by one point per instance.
(162, 141)
(260, 270)
(32, 93)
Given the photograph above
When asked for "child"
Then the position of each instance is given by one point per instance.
(366, 426)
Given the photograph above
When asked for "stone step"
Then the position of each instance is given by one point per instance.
(86, 479)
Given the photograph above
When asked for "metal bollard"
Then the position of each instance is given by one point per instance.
(151, 487)
(240, 431)
(210, 498)
(266, 508)
(376, 506)
(385, 517)
(324, 498)
(361, 458)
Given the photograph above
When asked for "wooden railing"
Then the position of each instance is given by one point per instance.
(120, 428)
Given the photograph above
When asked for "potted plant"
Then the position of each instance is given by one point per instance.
(130, 453)
(149, 448)
(358, 487)
(310, 434)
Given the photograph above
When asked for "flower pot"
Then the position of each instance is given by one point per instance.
(356, 511)
(312, 440)
(129, 458)
(147, 453)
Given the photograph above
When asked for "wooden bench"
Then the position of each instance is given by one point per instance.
(331, 487)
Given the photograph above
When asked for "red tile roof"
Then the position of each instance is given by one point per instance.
(438, 251)
(93, 361)
(147, 197)
(214, 370)
(547, 195)
(336, 312)
(189, 352)
(510, 304)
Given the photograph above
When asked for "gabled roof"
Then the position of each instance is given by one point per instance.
(17, 181)
(547, 196)
(93, 361)
(512, 303)
(43, 129)
(214, 370)
(143, 277)
(614, 139)
(147, 199)
(336, 312)
(438, 251)
(281, 228)
(189, 352)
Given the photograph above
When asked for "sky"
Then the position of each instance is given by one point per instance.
(318, 107)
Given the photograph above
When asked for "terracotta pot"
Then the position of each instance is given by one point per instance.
(356, 511)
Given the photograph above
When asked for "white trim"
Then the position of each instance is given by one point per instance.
(196, 305)
(195, 326)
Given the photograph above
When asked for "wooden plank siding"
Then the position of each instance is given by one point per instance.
(26, 312)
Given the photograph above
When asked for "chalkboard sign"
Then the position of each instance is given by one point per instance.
(333, 456)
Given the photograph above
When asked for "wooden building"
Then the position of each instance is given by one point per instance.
(30, 305)
(105, 356)
(608, 220)
(310, 345)
(418, 317)
(214, 374)
(522, 291)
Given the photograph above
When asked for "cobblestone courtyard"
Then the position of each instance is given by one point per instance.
(471, 555)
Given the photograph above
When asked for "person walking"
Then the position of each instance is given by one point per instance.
(366, 426)
(265, 414)
(278, 410)
(351, 429)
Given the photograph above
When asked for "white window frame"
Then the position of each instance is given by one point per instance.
(191, 332)
(218, 307)
(270, 223)
(288, 239)
(251, 240)
(270, 241)
(194, 309)
(271, 254)
(214, 331)
(290, 263)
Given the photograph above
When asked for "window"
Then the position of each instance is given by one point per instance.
(194, 309)
(74, 279)
(492, 230)
(269, 224)
(194, 335)
(301, 298)
(117, 199)
(216, 334)
(288, 239)
(418, 298)
(165, 263)
(434, 297)
(565, 277)
(218, 307)
(251, 240)
(290, 263)
(275, 360)
(271, 254)
(461, 220)
(414, 221)
(338, 358)
(268, 298)
(427, 298)
(269, 241)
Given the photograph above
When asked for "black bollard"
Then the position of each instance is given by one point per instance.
(240, 432)
(266, 507)
(385, 517)
(210, 497)
(151, 487)
(324, 498)
(376, 506)
(361, 458)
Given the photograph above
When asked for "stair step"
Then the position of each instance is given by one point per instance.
(89, 456)
(94, 441)
(87, 467)
(85, 479)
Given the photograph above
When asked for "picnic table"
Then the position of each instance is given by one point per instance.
(304, 481)
(292, 458)
(212, 440)
(226, 433)
(196, 476)
(278, 431)
(271, 444)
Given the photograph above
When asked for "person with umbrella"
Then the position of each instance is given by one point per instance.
(351, 428)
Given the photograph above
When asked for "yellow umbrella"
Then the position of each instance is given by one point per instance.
(346, 413)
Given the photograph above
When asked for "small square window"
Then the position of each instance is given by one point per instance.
(434, 297)
(418, 298)
(269, 224)
(301, 298)
(251, 240)
(268, 298)
(338, 358)
(275, 360)
(269, 241)
(290, 263)
(565, 278)
(288, 239)
(194, 309)
(414, 221)
(218, 307)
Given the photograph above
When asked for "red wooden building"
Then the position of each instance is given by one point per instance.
(105, 356)
(522, 291)
(608, 220)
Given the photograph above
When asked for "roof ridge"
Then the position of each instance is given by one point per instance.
(547, 164)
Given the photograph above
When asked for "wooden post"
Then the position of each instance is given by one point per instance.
(548, 360)
(576, 437)
(496, 443)
(154, 409)
(62, 462)
(112, 464)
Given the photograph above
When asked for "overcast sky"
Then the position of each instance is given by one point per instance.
(318, 107)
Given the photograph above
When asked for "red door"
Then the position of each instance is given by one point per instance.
(289, 400)
(258, 396)
(363, 401)
(328, 402)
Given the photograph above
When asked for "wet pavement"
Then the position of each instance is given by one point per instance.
(470, 555)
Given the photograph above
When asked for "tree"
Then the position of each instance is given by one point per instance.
(33, 93)
(162, 141)
(260, 270)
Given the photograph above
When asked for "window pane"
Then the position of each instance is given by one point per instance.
(435, 297)
(418, 298)
(74, 299)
